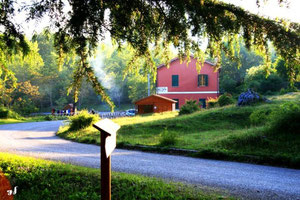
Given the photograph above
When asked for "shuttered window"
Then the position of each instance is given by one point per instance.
(175, 80)
(202, 80)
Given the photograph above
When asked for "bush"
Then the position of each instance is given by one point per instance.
(168, 138)
(285, 119)
(225, 99)
(7, 113)
(25, 107)
(288, 90)
(82, 120)
(259, 117)
(53, 118)
(212, 103)
(189, 107)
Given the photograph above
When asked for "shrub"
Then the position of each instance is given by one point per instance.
(7, 113)
(212, 102)
(225, 99)
(189, 107)
(287, 90)
(286, 118)
(259, 117)
(55, 117)
(82, 120)
(168, 138)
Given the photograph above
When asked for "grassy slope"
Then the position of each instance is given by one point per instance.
(222, 133)
(39, 179)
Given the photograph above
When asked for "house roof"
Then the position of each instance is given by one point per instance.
(174, 59)
(157, 96)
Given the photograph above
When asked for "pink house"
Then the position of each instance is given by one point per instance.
(181, 82)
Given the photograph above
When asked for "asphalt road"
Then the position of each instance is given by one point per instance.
(244, 180)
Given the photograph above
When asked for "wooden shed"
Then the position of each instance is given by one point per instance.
(69, 107)
(155, 104)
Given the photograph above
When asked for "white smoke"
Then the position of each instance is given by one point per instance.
(107, 80)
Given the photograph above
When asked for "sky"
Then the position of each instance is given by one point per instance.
(270, 9)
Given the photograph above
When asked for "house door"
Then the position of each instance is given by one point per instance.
(203, 103)
(148, 108)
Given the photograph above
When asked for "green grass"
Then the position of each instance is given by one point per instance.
(39, 179)
(32, 119)
(220, 133)
(22, 120)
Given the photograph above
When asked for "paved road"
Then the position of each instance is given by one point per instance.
(245, 180)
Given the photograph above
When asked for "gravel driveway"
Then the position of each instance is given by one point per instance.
(245, 180)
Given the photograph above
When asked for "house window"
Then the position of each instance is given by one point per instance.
(202, 80)
(177, 104)
(175, 80)
(203, 103)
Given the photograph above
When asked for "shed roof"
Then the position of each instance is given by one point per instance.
(69, 106)
(156, 96)
(174, 59)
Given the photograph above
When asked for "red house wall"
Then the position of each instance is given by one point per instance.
(188, 81)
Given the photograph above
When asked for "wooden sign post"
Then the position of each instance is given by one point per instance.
(108, 132)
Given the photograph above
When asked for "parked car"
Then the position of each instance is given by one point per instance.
(130, 112)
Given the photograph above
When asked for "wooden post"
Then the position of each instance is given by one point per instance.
(105, 171)
(108, 130)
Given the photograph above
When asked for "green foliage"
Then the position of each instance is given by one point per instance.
(82, 120)
(144, 24)
(189, 107)
(212, 102)
(288, 90)
(8, 81)
(285, 119)
(260, 81)
(225, 99)
(25, 107)
(24, 98)
(233, 72)
(168, 138)
(54, 117)
(6, 113)
(260, 116)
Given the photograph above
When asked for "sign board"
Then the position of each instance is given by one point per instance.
(109, 128)
(110, 144)
(161, 90)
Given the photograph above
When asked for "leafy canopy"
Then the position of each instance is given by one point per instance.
(144, 23)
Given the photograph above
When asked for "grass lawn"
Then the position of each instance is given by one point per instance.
(220, 133)
(22, 119)
(39, 179)
(31, 119)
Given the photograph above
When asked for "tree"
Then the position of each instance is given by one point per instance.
(53, 81)
(8, 84)
(233, 73)
(256, 79)
(25, 97)
(143, 23)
